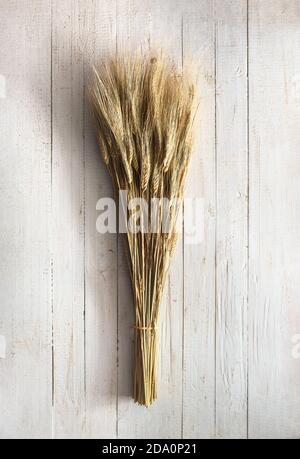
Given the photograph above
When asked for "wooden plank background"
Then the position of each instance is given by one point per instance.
(230, 332)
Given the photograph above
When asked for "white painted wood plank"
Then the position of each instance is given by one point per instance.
(101, 249)
(25, 165)
(68, 222)
(199, 259)
(140, 25)
(274, 77)
(232, 210)
(85, 276)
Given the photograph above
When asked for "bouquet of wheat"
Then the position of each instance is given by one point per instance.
(144, 113)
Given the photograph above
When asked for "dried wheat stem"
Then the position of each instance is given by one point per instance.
(144, 113)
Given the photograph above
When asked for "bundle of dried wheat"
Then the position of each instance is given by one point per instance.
(144, 112)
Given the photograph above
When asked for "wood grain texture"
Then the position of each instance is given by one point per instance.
(274, 104)
(25, 231)
(85, 377)
(230, 316)
(101, 277)
(232, 219)
(68, 222)
(199, 284)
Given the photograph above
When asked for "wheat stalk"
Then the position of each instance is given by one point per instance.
(144, 113)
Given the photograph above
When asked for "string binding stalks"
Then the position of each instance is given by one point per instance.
(144, 111)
